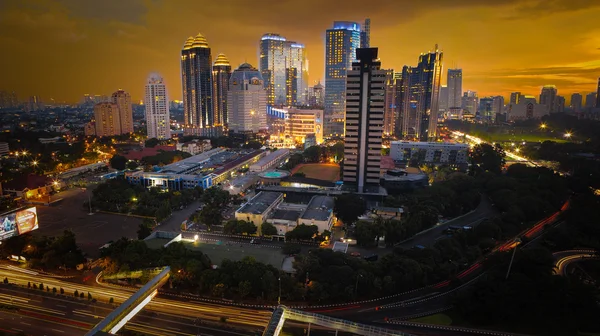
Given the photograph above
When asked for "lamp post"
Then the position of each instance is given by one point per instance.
(356, 285)
(90, 203)
(279, 297)
(518, 241)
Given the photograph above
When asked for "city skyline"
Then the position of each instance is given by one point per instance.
(78, 35)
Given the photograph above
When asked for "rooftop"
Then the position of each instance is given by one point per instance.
(319, 208)
(259, 203)
(388, 209)
(191, 163)
(288, 215)
(272, 156)
(31, 181)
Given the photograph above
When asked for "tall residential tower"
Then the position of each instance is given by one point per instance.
(123, 101)
(454, 87)
(221, 71)
(157, 108)
(365, 97)
(341, 43)
(196, 76)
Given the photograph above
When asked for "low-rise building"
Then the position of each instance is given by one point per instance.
(319, 212)
(527, 108)
(166, 181)
(284, 220)
(271, 160)
(4, 150)
(195, 146)
(31, 187)
(258, 209)
(388, 212)
(429, 152)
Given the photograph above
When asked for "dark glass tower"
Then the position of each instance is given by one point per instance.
(196, 76)
(221, 73)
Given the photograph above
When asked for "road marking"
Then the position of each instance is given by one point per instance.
(25, 323)
(17, 329)
(63, 306)
(60, 331)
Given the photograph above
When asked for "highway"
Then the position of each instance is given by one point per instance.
(564, 258)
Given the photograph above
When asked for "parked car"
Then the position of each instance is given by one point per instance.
(355, 254)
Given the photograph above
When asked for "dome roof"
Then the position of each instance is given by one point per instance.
(200, 42)
(246, 67)
(245, 72)
(188, 43)
(221, 60)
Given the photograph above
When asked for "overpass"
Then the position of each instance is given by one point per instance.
(282, 313)
(114, 321)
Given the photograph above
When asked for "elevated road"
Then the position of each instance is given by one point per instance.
(564, 258)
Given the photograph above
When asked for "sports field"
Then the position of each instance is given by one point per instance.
(504, 137)
(236, 251)
(321, 171)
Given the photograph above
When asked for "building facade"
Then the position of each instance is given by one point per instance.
(576, 102)
(598, 94)
(365, 34)
(455, 92)
(221, 71)
(341, 43)
(514, 97)
(316, 95)
(429, 152)
(302, 122)
(156, 104)
(470, 101)
(365, 99)
(196, 76)
(389, 109)
(123, 101)
(548, 97)
(590, 100)
(527, 108)
(246, 100)
(107, 119)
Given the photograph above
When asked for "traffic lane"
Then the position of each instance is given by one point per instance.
(173, 223)
(13, 323)
(484, 210)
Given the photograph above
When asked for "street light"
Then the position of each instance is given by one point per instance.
(279, 297)
(543, 126)
(34, 163)
(568, 135)
(196, 238)
(518, 241)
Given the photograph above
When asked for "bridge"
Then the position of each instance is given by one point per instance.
(114, 321)
(282, 313)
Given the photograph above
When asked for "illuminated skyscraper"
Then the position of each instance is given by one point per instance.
(341, 41)
(365, 99)
(454, 87)
(469, 102)
(221, 72)
(365, 34)
(107, 119)
(284, 68)
(316, 95)
(515, 98)
(598, 94)
(590, 100)
(420, 97)
(246, 101)
(444, 95)
(576, 102)
(548, 97)
(196, 75)
(559, 105)
(123, 101)
(156, 104)
(389, 108)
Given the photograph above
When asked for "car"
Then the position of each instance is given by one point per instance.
(255, 241)
(355, 254)
(372, 257)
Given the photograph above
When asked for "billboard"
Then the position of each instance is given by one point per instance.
(18, 222)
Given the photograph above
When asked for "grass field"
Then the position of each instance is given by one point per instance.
(440, 319)
(504, 137)
(218, 253)
(321, 171)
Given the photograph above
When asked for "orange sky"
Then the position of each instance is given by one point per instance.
(63, 49)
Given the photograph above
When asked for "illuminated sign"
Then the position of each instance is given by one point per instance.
(18, 222)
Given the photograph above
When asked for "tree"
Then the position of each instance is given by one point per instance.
(164, 211)
(291, 249)
(41, 286)
(111, 300)
(268, 229)
(132, 165)
(151, 143)
(253, 144)
(76, 293)
(145, 228)
(489, 158)
(348, 207)
(312, 154)
(302, 232)
(81, 295)
(299, 174)
(365, 233)
(5, 281)
(62, 291)
(118, 162)
(54, 290)
(89, 296)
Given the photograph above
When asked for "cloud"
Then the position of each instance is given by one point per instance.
(131, 11)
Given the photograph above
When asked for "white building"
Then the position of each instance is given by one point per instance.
(270, 161)
(319, 212)
(246, 101)
(195, 146)
(527, 108)
(365, 95)
(429, 152)
(454, 88)
(259, 207)
(157, 109)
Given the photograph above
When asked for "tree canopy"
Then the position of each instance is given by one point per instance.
(348, 207)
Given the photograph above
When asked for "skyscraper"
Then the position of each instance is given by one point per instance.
(365, 34)
(341, 41)
(221, 72)
(364, 121)
(389, 108)
(515, 97)
(316, 95)
(469, 102)
(157, 108)
(196, 75)
(497, 107)
(123, 101)
(548, 97)
(284, 68)
(246, 100)
(420, 114)
(444, 96)
(559, 105)
(598, 94)
(576, 102)
(108, 122)
(485, 110)
(454, 87)
(590, 100)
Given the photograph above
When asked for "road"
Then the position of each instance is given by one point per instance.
(428, 238)
(564, 258)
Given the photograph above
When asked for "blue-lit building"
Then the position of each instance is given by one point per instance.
(340, 51)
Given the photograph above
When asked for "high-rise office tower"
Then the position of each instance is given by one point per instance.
(156, 104)
(420, 114)
(34, 104)
(469, 102)
(108, 122)
(284, 68)
(196, 76)
(443, 102)
(590, 100)
(598, 94)
(548, 97)
(365, 34)
(454, 87)
(398, 123)
(365, 98)
(485, 109)
(246, 100)
(341, 43)
(515, 97)
(576, 102)
(123, 101)
(497, 106)
(559, 104)
(389, 108)
(316, 95)
(221, 71)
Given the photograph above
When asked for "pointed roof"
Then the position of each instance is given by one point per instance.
(221, 60)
